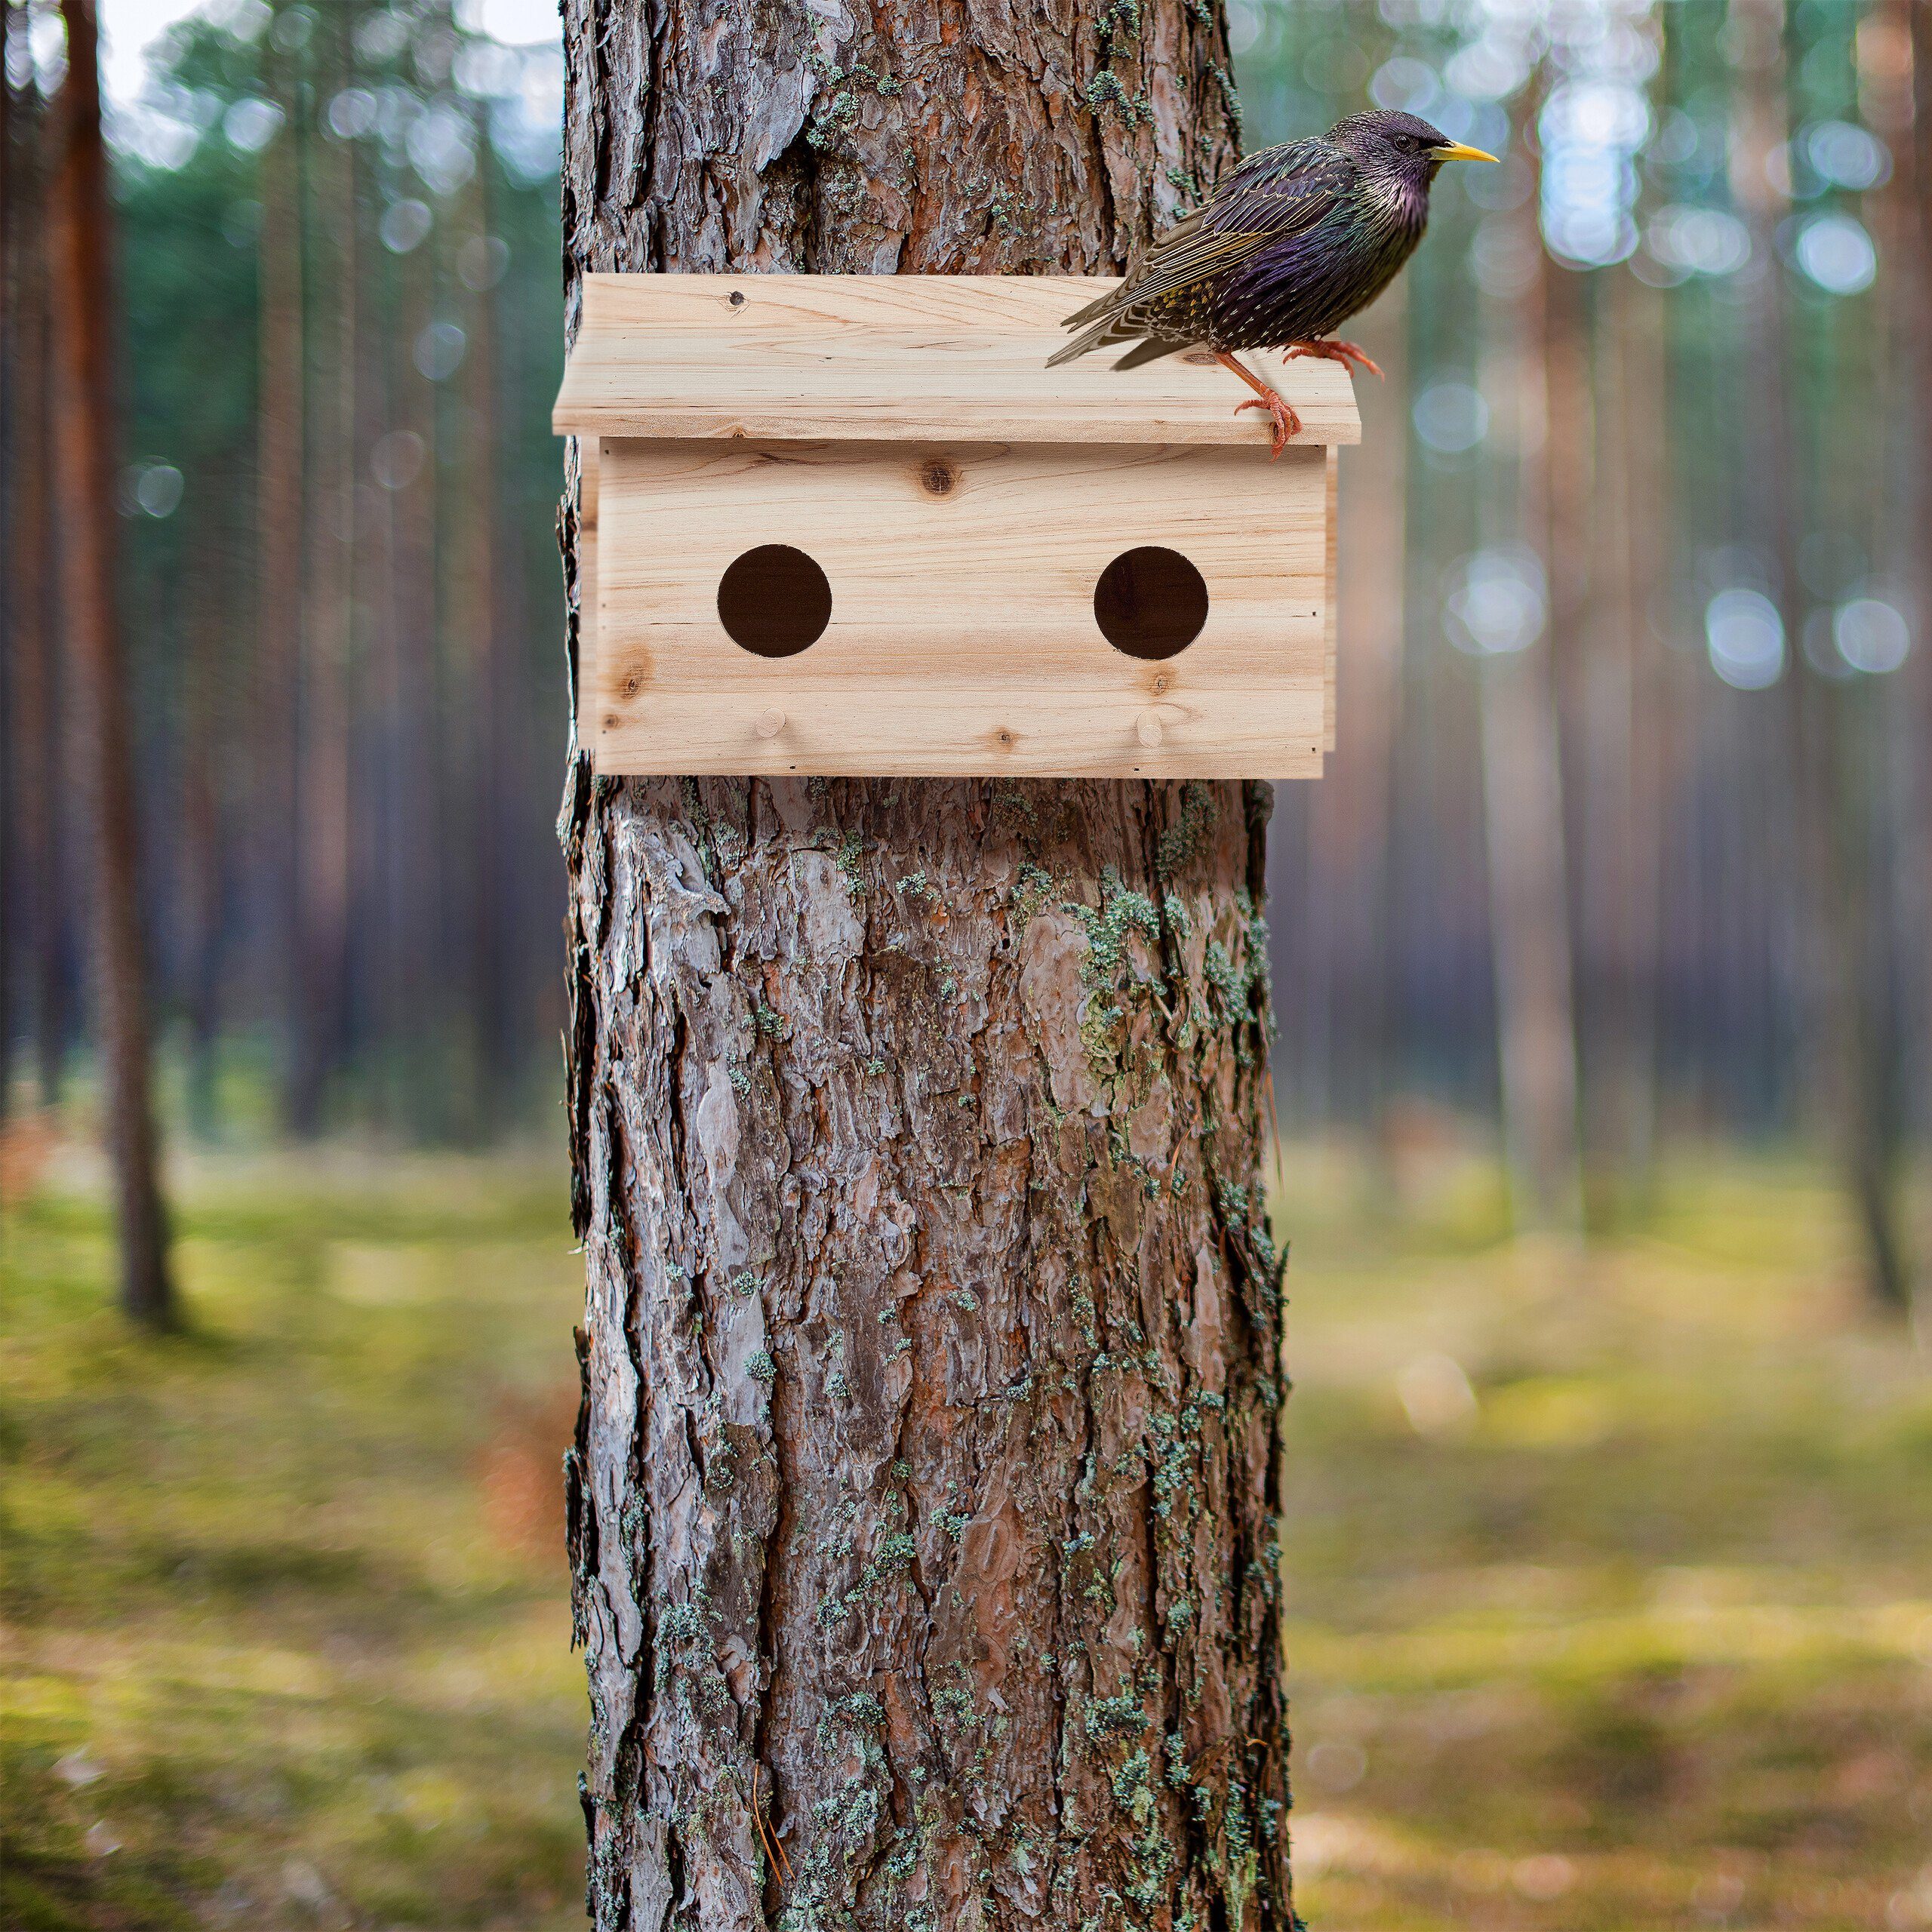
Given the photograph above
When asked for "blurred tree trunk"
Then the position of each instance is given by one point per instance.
(374, 714)
(479, 541)
(206, 727)
(1523, 805)
(85, 457)
(382, 931)
(418, 1021)
(38, 769)
(923, 1505)
(1350, 810)
(11, 868)
(1869, 773)
(326, 637)
(1911, 124)
(282, 389)
(1619, 826)
(1845, 1008)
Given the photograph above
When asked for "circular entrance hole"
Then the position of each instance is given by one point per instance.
(1150, 602)
(775, 601)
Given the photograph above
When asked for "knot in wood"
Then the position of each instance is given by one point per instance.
(939, 476)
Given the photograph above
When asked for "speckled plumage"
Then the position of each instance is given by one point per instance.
(1296, 240)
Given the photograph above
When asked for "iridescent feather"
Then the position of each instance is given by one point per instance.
(1296, 240)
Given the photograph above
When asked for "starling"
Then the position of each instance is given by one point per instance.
(1296, 240)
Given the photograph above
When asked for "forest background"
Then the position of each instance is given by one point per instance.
(1626, 839)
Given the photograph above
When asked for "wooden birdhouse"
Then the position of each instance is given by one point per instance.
(853, 525)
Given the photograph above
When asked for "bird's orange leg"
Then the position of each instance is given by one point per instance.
(1345, 353)
(1286, 422)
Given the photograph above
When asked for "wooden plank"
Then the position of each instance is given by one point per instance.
(963, 639)
(1330, 608)
(922, 359)
(963, 731)
(824, 304)
(587, 450)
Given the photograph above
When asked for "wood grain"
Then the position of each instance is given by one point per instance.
(962, 639)
(1331, 554)
(920, 358)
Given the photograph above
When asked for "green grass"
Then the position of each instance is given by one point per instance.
(288, 1638)
(1642, 1635)
(1610, 1577)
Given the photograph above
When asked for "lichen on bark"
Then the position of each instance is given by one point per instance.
(927, 1469)
(922, 1508)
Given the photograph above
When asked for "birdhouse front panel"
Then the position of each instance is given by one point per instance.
(855, 526)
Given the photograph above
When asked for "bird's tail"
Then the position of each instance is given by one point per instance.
(1098, 337)
(1101, 321)
(1101, 305)
(1104, 335)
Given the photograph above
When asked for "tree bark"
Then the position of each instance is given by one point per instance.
(83, 308)
(923, 1503)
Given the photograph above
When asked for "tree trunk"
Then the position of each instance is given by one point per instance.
(1636, 466)
(1614, 822)
(1523, 815)
(11, 868)
(206, 726)
(1912, 122)
(923, 1504)
(1352, 811)
(325, 641)
(417, 1023)
(1845, 1012)
(282, 388)
(83, 308)
(476, 638)
(38, 772)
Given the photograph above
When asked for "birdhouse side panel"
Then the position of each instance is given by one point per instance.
(920, 609)
(1331, 609)
(587, 584)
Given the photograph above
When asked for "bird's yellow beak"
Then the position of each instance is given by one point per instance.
(1455, 151)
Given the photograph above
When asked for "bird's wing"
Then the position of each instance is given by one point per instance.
(1277, 192)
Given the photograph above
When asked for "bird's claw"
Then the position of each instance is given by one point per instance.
(1286, 422)
(1345, 353)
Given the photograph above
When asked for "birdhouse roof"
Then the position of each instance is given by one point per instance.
(902, 357)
